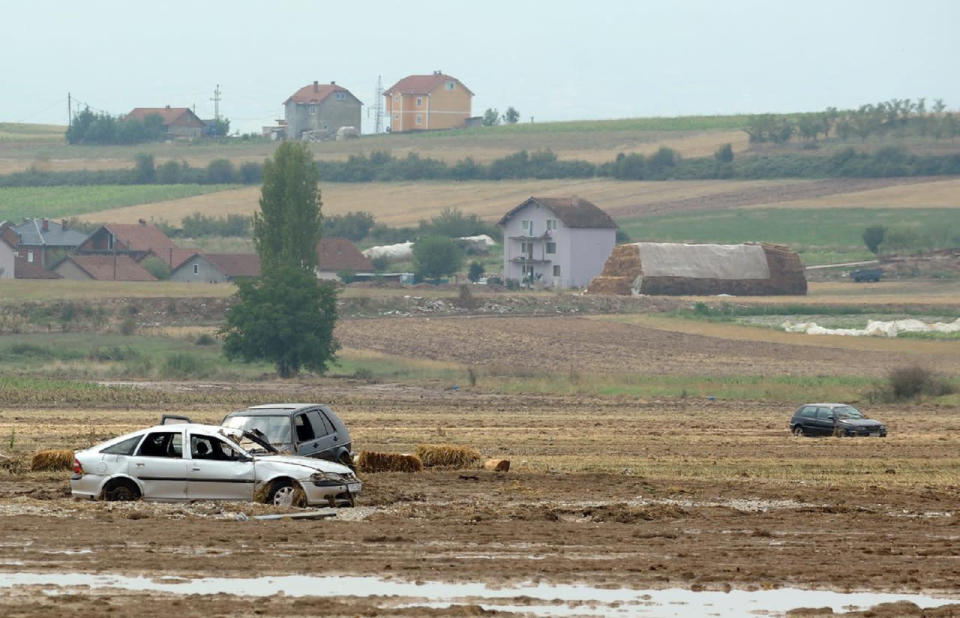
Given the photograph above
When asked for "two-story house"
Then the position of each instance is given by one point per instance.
(8, 250)
(427, 102)
(137, 240)
(44, 242)
(321, 109)
(556, 242)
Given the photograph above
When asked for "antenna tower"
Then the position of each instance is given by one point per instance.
(216, 102)
(378, 106)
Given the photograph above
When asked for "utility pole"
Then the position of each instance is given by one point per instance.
(69, 112)
(216, 103)
(378, 106)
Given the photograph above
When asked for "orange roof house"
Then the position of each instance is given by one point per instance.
(217, 267)
(179, 121)
(134, 239)
(428, 102)
(336, 255)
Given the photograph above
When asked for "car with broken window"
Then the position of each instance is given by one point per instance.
(190, 461)
(308, 429)
(828, 419)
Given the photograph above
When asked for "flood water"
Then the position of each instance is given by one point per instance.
(539, 599)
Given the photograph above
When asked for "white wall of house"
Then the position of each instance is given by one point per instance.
(557, 256)
(7, 255)
(199, 270)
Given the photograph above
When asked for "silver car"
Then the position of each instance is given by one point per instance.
(188, 461)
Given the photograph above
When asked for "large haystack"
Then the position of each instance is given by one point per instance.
(684, 269)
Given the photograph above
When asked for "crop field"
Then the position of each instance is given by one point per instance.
(69, 201)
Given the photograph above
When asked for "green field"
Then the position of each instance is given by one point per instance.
(821, 236)
(53, 202)
(18, 132)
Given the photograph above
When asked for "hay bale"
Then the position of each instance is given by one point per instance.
(370, 461)
(448, 455)
(52, 460)
(497, 465)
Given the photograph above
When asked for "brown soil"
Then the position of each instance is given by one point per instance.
(692, 494)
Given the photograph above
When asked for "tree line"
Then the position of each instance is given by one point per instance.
(900, 117)
(102, 128)
(664, 164)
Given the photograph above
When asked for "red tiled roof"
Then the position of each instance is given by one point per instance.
(141, 237)
(111, 268)
(180, 116)
(235, 264)
(573, 211)
(23, 269)
(316, 92)
(336, 254)
(174, 256)
(422, 84)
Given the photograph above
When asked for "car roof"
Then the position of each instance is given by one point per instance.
(276, 408)
(828, 405)
(213, 429)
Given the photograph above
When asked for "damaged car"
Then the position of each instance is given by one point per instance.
(189, 461)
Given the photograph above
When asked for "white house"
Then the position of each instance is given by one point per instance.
(556, 242)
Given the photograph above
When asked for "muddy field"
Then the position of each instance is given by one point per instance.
(698, 495)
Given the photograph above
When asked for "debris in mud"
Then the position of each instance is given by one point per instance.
(497, 465)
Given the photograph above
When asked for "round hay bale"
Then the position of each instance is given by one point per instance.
(52, 460)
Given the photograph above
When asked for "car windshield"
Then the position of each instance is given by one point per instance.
(848, 412)
(275, 428)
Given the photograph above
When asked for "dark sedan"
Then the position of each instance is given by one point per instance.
(828, 419)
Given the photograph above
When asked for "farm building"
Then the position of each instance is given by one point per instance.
(137, 240)
(178, 121)
(427, 102)
(45, 242)
(318, 111)
(337, 255)
(556, 242)
(674, 268)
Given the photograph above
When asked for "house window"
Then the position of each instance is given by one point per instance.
(419, 119)
(551, 247)
(313, 110)
(556, 270)
(419, 101)
(526, 250)
(30, 256)
(196, 269)
(451, 85)
(341, 96)
(551, 224)
(527, 227)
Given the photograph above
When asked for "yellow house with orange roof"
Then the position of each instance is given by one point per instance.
(428, 102)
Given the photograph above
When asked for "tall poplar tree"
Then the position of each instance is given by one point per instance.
(285, 316)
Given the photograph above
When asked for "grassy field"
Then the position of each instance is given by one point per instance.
(821, 236)
(68, 201)
(17, 132)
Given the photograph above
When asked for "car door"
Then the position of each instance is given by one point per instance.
(218, 470)
(325, 440)
(312, 437)
(160, 467)
(824, 422)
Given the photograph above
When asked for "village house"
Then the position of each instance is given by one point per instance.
(427, 102)
(8, 251)
(339, 255)
(217, 267)
(318, 111)
(556, 242)
(137, 240)
(102, 268)
(178, 121)
(45, 242)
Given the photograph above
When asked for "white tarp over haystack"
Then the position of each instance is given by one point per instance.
(875, 328)
(399, 251)
(481, 239)
(661, 259)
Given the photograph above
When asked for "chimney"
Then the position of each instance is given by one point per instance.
(168, 107)
(316, 86)
(333, 83)
(45, 225)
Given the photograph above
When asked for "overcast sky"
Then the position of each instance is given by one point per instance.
(553, 60)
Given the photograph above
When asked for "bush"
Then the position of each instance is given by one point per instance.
(206, 339)
(182, 366)
(907, 383)
(156, 267)
(475, 271)
(873, 236)
(128, 326)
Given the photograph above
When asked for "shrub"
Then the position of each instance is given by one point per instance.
(873, 236)
(182, 366)
(156, 267)
(475, 271)
(906, 383)
(128, 326)
(206, 339)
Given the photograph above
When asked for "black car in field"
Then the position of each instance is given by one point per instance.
(827, 419)
(308, 429)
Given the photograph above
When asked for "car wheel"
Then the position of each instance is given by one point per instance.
(285, 493)
(798, 431)
(121, 492)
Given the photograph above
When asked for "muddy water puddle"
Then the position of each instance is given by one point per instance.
(538, 599)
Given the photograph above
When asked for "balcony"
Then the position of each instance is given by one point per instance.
(530, 260)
